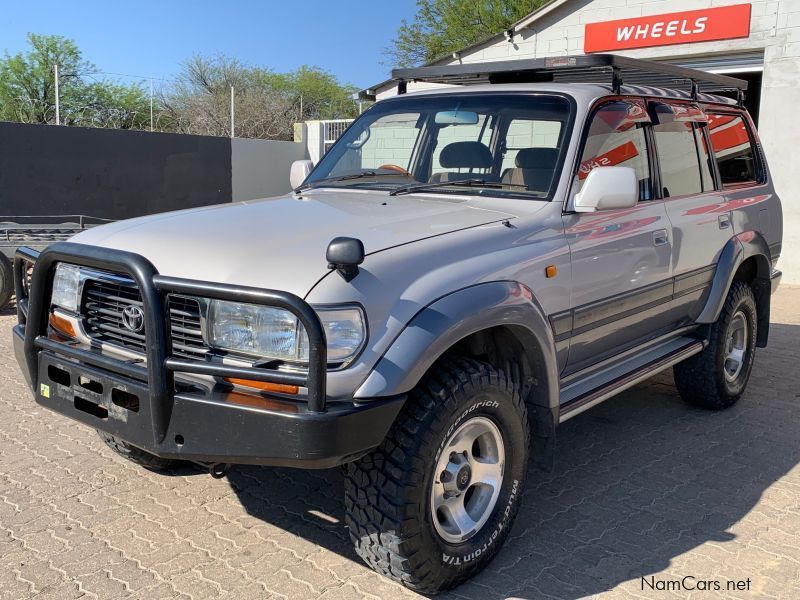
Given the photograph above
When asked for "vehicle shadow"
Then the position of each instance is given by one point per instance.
(638, 481)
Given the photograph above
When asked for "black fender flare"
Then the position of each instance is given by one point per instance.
(739, 248)
(450, 319)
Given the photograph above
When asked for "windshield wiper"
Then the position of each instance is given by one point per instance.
(477, 181)
(319, 182)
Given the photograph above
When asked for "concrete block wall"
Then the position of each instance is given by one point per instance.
(260, 168)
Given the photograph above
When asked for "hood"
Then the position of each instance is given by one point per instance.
(280, 243)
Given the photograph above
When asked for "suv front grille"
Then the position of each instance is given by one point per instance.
(104, 302)
(187, 336)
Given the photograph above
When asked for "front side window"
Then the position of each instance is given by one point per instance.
(733, 149)
(489, 143)
(616, 138)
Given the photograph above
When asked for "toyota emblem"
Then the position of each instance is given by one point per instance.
(133, 318)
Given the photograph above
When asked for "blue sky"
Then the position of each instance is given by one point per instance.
(150, 39)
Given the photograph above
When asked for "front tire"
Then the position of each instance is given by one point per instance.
(6, 281)
(434, 503)
(717, 377)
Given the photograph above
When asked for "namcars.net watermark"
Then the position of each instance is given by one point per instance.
(690, 583)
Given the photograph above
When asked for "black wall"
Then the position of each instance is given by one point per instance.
(109, 173)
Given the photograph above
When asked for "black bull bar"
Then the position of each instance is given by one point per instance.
(33, 306)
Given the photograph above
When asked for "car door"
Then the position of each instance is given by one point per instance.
(621, 259)
(697, 210)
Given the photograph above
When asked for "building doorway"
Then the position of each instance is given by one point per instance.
(749, 66)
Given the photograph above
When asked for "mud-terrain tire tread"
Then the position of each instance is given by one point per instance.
(698, 377)
(6, 281)
(374, 484)
(137, 455)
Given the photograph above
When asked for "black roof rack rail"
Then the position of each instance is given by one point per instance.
(594, 68)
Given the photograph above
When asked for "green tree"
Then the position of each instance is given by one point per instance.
(27, 85)
(316, 93)
(266, 103)
(441, 27)
(108, 104)
(27, 89)
(199, 101)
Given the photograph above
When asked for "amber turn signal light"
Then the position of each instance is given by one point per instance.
(551, 271)
(258, 401)
(62, 325)
(264, 385)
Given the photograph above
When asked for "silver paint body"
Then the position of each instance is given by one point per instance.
(442, 266)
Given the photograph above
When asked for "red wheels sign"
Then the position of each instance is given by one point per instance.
(720, 23)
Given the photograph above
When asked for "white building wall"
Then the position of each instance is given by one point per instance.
(774, 29)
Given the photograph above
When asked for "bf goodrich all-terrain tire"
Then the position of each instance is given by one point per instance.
(716, 377)
(434, 503)
(137, 455)
(6, 281)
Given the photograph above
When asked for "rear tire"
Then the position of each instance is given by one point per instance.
(717, 377)
(137, 455)
(433, 504)
(6, 281)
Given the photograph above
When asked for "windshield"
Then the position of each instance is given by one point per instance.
(492, 144)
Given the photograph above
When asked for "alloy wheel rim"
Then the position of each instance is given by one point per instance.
(467, 480)
(735, 347)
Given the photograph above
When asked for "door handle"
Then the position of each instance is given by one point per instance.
(660, 237)
(724, 221)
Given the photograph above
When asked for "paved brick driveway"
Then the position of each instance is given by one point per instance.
(644, 487)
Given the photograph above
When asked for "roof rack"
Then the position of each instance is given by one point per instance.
(594, 68)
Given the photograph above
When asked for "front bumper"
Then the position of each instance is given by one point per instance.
(173, 417)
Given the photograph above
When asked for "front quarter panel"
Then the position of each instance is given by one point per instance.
(440, 325)
(395, 285)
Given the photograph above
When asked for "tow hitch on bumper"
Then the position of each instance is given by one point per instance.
(145, 405)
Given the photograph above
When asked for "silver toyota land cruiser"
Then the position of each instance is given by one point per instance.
(466, 268)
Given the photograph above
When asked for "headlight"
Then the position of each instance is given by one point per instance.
(344, 331)
(276, 333)
(65, 287)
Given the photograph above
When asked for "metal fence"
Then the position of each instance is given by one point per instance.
(332, 130)
(244, 112)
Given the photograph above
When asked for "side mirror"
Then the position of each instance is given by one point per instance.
(299, 172)
(608, 188)
(345, 254)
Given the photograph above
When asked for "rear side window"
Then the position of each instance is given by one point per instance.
(705, 159)
(616, 138)
(683, 172)
(733, 149)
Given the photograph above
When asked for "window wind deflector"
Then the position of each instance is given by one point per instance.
(663, 113)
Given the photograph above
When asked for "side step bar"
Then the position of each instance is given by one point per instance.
(576, 398)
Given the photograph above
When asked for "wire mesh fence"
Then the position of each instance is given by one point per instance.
(198, 102)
